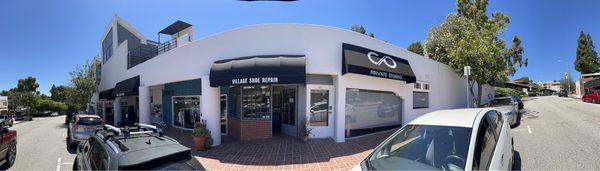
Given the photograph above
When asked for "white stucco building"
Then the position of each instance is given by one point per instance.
(260, 80)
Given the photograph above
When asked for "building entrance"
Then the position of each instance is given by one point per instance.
(284, 110)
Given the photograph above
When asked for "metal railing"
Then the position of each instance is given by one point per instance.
(148, 51)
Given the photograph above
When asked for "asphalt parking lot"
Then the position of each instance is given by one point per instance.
(558, 133)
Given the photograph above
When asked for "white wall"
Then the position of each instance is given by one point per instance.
(322, 46)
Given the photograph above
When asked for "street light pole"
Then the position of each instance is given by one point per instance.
(467, 70)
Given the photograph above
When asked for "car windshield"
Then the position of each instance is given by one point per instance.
(89, 121)
(421, 147)
(500, 102)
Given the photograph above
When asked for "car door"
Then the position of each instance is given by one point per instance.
(489, 150)
(4, 142)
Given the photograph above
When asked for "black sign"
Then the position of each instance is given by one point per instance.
(360, 60)
(271, 69)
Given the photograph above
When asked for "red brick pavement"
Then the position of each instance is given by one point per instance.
(284, 152)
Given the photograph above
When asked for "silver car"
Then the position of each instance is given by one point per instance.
(81, 127)
(507, 106)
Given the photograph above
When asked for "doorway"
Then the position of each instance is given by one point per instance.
(284, 110)
(320, 110)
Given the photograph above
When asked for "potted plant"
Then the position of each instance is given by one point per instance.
(305, 132)
(201, 135)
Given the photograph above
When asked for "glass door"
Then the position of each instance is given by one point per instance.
(320, 110)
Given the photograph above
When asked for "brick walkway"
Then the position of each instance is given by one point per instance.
(284, 153)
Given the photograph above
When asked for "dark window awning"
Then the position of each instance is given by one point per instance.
(359, 60)
(128, 87)
(269, 69)
(176, 27)
(106, 95)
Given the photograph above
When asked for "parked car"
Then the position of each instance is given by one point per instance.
(460, 139)
(563, 94)
(6, 120)
(21, 116)
(141, 148)
(8, 147)
(507, 106)
(518, 100)
(593, 97)
(81, 127)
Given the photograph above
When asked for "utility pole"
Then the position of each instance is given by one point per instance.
(467, 70)
(568, 83)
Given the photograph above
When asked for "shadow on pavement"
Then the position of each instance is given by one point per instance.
(517, 162)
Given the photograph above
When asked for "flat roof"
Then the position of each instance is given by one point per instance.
(176, 27)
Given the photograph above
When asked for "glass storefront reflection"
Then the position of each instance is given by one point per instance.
(186, 111)
(319, 107)
(370, 111)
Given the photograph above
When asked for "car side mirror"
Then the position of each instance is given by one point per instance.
(79, 147)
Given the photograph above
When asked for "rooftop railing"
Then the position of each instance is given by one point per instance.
(148, 51)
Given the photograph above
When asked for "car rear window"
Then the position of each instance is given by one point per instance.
(89, 121)
(177, 161)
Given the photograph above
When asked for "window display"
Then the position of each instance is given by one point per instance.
(256, 102)
(186, 111)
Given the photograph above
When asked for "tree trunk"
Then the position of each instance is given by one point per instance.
(478, 99)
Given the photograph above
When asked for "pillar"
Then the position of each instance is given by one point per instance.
(210, 106)
(340, 109)
(117, 109)
(144, 105)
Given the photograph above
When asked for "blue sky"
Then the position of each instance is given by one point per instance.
(47, 39)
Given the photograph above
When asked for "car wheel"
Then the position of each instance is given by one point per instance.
(593, 100)
(11, 155)
(11, 123)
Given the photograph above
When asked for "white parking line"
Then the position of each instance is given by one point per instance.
(58, 164)
(528, 129)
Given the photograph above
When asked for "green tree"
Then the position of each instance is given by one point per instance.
(60, 93)
(360, 29)
(567, 82)
(416, 47)
(83, 85)
(586, 59)
(470, 38)
(28, 84)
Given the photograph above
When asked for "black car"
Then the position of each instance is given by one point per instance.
(563, 94)
(144, 147)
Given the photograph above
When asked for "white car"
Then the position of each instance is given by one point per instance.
(460, 139)
(507, 106)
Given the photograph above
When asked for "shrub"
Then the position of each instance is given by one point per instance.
(508, 91)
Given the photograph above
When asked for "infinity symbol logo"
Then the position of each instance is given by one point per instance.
(386, 59)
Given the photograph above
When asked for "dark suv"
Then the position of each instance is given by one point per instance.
(143, 147)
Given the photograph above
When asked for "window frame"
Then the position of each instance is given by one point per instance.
(173, 109)
(428, 101)
(486, 118)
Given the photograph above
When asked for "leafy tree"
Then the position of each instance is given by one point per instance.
(416, 47)
(28, 84)
(470, 38)
(51, 105)
(586, 60)
(83, 85)
(60, 93)
(360, 29)
(567, 81)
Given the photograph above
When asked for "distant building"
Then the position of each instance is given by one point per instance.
(550, 85)
(519, 86)
(3, 104)
(587, 83)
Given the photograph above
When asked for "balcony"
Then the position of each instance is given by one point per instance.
(148, 51)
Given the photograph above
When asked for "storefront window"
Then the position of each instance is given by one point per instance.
(186, 111)
(256, 102)
(234, 102)
(371, 111)
(319, 107)
(420, 100)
